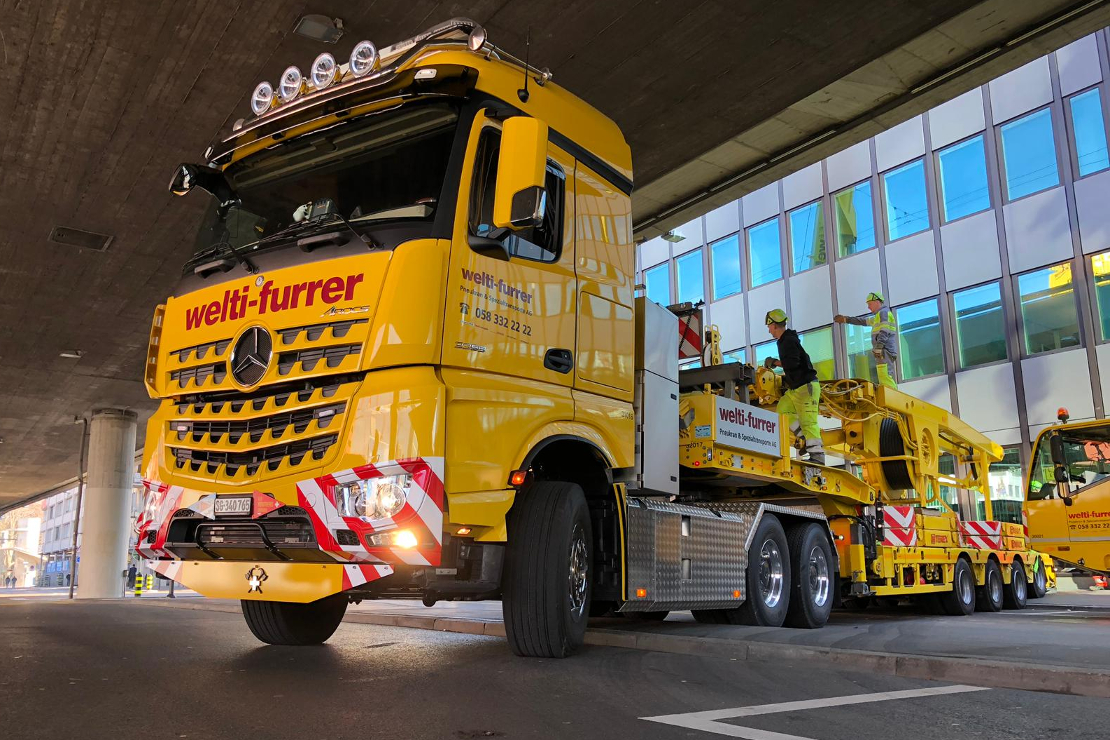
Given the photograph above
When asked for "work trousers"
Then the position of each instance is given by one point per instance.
(800, 405)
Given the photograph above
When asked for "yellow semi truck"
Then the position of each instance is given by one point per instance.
(1067, 504)
(407, 358)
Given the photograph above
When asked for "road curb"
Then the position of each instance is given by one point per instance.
(993, 673)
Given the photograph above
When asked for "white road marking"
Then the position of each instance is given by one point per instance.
(710, 721)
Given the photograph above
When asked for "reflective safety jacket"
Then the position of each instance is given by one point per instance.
(884, 332)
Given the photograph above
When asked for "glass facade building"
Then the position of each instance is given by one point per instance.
(985, 224)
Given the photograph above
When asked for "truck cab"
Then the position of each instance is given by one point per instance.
(411, 298)
(1067, 503)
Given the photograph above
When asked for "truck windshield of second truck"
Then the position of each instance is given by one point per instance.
(387, 166)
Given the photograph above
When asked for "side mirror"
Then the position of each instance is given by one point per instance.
(520, 199)
(1056, 447)
(209, 179)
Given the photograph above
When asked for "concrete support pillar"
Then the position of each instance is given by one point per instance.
(105, 525)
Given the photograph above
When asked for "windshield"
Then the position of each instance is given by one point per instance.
(1087, 452)
(387, 166)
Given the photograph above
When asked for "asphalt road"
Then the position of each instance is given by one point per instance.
(111, 670)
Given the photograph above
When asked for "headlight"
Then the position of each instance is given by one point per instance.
(290, 85)
(262, 98)
(364, 58)
(376, 498)
(323, 71)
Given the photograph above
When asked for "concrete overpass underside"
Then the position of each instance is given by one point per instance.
(100, 100)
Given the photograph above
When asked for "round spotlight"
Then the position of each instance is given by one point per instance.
(364, 58)
(290, 85)
(324, 71)
(262, 98)
(477, 38)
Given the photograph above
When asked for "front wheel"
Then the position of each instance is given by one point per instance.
(546, 587)
(286, 623)
(811, 593)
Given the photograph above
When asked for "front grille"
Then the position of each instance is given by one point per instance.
(199, 374)
(339, 329)
(303, 350)
(210, 460)
(195, 431)
(309, 358)
(201, 350)
(229, 434)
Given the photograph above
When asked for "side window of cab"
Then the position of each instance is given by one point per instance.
(541, 243)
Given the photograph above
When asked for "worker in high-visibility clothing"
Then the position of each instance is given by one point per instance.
(802, 393)
(884, 337)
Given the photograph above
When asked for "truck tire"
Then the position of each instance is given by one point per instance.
(1039, 587)
(960, 601)
(988, 597)
(811, 592)
(286, 623)
(1016, 594)
(768, 578)
(546, 586)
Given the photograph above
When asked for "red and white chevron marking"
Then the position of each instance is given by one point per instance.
(422, 513)
(899, 526)
(163, 501)
(689, 333)
(981, 535)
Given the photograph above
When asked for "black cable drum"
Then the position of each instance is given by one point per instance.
(896, 472)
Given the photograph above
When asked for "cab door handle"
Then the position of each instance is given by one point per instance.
(559, 360)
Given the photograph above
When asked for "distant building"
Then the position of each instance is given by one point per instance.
(985, 224)
(19, 545)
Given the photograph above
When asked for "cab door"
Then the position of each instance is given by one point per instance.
(509, 330)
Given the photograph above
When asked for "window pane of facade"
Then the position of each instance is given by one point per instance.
(980, 328)
(1048, 312)
(946, 466)
(855, 220)
(726, 267)
(765, 255)
(1090, 133)
(690, 278)
(1006, 487)
(657, 282)
(919, 339)
(807, 236)
(1029, 154)
(907, 207)
(818, 344)
(1100, 271)
(762, 351)
(736, 355)
(963, 179)
(861, 363)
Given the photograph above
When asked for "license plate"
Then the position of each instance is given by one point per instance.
(233, 505)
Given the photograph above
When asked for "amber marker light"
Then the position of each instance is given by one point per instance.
(641, 593)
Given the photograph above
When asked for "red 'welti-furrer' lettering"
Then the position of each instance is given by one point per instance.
(236, 304)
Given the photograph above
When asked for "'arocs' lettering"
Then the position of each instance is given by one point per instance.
(239, 303)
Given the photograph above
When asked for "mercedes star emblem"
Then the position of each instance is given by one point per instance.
(255, 577)
(251, 356)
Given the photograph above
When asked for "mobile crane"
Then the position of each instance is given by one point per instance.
(406, 359)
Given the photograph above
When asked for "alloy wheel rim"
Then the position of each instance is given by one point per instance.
(995, 586)
(578, 576)
(770, 573)
(966, 591)
(818, 576)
